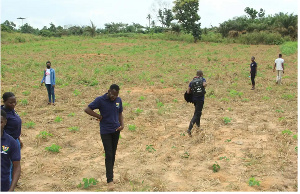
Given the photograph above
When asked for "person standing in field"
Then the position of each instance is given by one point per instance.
(10, 153)
(49, 80)
(279, 68)
(111, 123)
(14, 123)
(197, 88)
(253, 71)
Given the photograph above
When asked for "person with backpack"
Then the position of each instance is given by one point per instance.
(197, 88)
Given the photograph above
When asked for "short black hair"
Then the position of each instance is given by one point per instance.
(3, 114)
(114, 87)
(48, 62)
(280, 55)
(7, 95)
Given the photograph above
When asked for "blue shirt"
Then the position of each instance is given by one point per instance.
(110, 111)
(14, 123)
(9, 152)
(197, 98)
(253, 66)
(52, 76)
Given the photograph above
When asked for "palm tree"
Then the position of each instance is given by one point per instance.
(149, 18)
(91, 29)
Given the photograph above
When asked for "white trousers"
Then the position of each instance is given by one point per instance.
(279, 76)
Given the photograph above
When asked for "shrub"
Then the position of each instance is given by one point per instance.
(87, 182)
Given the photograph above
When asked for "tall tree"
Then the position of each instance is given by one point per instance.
(149, 18)
(251, 12)
(91, 29)
(186, 13)
(165, 17)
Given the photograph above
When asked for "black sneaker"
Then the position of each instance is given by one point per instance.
(189, 133)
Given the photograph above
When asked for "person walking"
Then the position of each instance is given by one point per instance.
(49, 80)
(197, 88)
(111, 123)
(14, 123)
(253, 71)
(279, 69)
(10, 153)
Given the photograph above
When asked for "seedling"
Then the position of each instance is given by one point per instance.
(173, 146)
(160, 104)
(224, 157)
(26, 93)
(287, 131)
(162, 81)
(175, 100)
(230, 109)
(44, 134)
(269, 88)
(58, 119)
(142, 98)
(30, 124)
(53, 148)
(131, 127)
(125, 104)
(216, 167)
(71, 114)
(245, 100)
(76, 92)
(74, 129)
(296, 148)
(228, 140)
(281, 118)
(253, 182)
(149, 148)
(287, 96)
(138, 111)
(266, 98)
(279, 111)
(87, 182)
(185, 155)
(234, 93)
(227, 120)
(295, 136)
(24, 102)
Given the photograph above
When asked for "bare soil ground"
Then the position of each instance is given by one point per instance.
(253, 142)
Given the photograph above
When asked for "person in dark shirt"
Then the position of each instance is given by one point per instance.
(198, 99)
(111, 123)
(253, 71)
(10, 152)
(14, 122)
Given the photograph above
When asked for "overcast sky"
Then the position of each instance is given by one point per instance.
(40, 13)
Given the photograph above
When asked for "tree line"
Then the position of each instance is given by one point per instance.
(182, 18)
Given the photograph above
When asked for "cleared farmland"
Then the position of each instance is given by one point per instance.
(247, 133)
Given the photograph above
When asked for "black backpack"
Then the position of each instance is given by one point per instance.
(197, 87)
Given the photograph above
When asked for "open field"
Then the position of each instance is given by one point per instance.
(247, 133)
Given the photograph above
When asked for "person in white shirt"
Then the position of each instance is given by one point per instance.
(49, 80)
(279, 68)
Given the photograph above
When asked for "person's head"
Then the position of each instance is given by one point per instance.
(280, 55)
(48, 64)
(3, 120)
(113, 92)
(9, 100)
(199, 73)
(252, 58)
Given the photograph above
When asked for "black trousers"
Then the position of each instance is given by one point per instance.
(197, 114)
(252, 79)
(110, 143)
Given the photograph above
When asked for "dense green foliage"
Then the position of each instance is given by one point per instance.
(253, 28)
